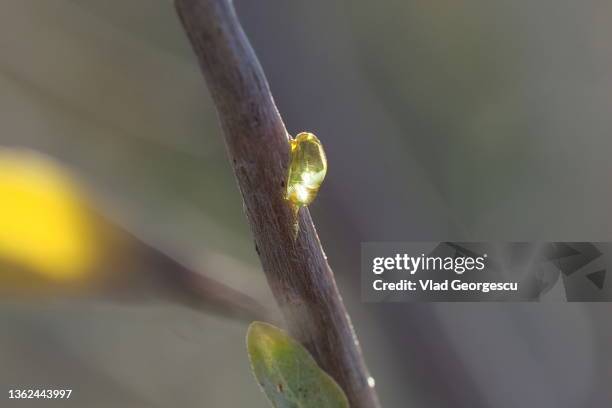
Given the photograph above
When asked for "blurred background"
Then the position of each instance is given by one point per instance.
(442, 120)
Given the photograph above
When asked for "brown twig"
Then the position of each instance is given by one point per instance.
(195, 289)
(257, 143)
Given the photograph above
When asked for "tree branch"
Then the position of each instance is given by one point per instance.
(257, 144)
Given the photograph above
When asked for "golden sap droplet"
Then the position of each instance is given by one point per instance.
(307, 169)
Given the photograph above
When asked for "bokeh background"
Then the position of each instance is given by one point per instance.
(442, 120)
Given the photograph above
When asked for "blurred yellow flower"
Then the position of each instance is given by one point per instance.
(44, 225)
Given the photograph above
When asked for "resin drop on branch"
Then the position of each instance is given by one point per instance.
(307, 168)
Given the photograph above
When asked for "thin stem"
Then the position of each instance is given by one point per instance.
(257, 143)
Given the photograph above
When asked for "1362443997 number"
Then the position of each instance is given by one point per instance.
(39, 393)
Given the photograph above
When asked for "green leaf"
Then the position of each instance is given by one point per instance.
(287, 373)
